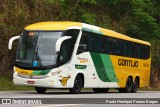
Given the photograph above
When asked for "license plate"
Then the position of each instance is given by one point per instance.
(30, 82)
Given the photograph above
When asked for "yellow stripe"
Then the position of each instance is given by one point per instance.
(52, 25)
(22, 71)
(114, 34)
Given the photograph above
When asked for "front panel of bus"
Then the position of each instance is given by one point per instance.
(37, 62)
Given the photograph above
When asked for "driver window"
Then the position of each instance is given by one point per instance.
(86, 42)
(64, 53)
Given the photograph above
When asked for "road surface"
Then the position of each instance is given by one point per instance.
(85, 99)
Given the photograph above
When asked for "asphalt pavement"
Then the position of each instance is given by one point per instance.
(87, 98)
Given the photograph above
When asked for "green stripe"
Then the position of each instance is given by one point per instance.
(104, 67)
(41, 72)
(109, 69)
(99, 66)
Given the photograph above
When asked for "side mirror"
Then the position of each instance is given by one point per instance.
(59, 42)
(11, 41)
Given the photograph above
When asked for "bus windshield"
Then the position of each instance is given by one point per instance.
(37, 49)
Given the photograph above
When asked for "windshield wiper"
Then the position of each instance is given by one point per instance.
(36, 50)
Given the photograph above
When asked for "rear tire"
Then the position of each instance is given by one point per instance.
(100, 90)
(135, 85)
(128, 87)
(40, 90)
(78, 84)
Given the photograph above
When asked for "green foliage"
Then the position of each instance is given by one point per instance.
(147, 23)
(89, 1)
(50, 1)
(144, 26)
(89, 18)
(7, 85)
(118, 8)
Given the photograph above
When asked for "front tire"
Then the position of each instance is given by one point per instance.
(40, 90)
(78, 84)
(100, 90)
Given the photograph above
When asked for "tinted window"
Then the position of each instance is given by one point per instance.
(112, 46)
(85, 43)
(68, 46)
(73, 33)
(104, 44)
(97, 43)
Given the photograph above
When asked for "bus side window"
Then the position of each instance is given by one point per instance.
(109, 46)
(136, 50)
(90, 42)
(106, 43)
(103, 44)
(113, 46)
(146, 52)
(83, 43)
(139, 51)
(97, 43)
(128, 48)
(131, 50)
(125, 48)
(120, 48)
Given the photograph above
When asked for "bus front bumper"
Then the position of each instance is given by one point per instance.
(48, 82)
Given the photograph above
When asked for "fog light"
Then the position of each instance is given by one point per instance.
(52, 82)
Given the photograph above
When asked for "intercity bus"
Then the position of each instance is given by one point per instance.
(75, 55)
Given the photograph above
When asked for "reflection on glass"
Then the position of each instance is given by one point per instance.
(37, 48)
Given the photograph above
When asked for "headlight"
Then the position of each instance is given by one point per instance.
(16, 73)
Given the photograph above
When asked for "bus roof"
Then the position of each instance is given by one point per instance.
(64, 25)
(52, 25)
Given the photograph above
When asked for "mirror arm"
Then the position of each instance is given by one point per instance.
(11, 41)
(59, 42)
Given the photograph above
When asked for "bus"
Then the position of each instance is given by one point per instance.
(76, 55)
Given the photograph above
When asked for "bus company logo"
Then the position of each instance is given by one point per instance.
(128, 63)
(64, 80)
(83, 60)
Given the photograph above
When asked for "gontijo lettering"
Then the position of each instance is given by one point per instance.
(129, 63)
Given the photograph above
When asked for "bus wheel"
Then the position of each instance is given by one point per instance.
(135, 85)
(40, 90)
(128, 87)
(100, 90)
(78, 84)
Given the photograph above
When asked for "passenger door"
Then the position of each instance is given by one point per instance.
(85, 47)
